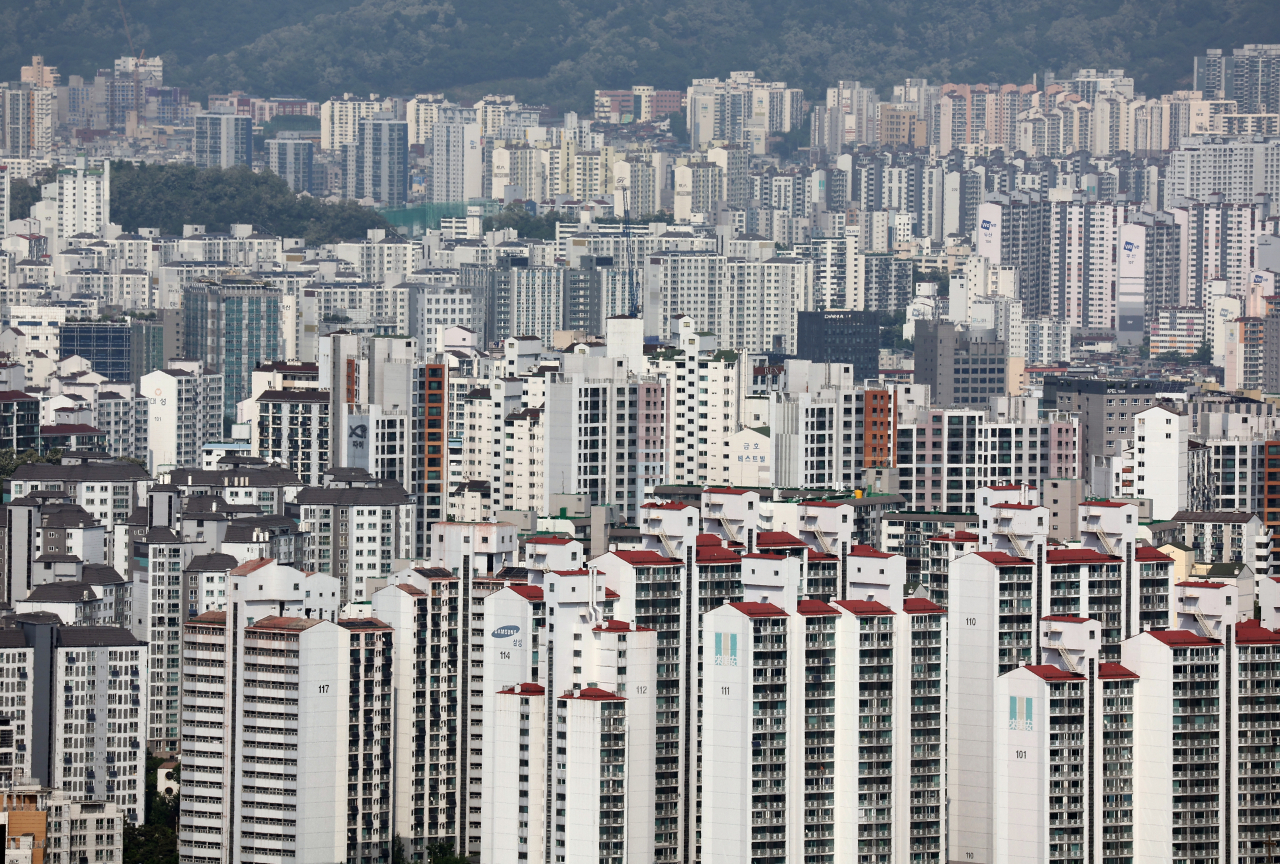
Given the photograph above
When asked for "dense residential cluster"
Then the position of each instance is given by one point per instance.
(918, 462)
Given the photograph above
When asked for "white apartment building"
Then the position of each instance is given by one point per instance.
(266, 774)
(184, 409)
(749, 305)
(1047, 341)
(77, 726)
(422, 112)
(701, 396)
(1218, 241)
(340, 118)
(383, 258)
(583, 795)
(291, 428)
(520, 165)
(78, 201)
(1163, 464)
(1238, 167)
(783, 713)
(598, 443)
(457, 166)
(636, 188)
(360, 534)
(1234, 536)
(1083, 296)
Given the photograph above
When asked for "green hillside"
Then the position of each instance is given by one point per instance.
(559, 52)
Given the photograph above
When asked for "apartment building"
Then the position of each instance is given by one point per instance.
(291, 428)
(272, 774)
(782, 716)
(696, 400)
(749, 305)
(78, 726)
(360, 534)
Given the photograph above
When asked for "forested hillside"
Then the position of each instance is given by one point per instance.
(170, 196)
(560, 51)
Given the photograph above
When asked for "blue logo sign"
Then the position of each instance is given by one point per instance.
(986, 224)
(1128, 246)
(504, 631)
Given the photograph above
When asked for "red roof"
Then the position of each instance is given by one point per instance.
(759, 610)
(1192, 584)
(526, 690)
(862, 550)
(1078, 556)
(957, 537)
(766, 555)
(827, 504)
(1114, 670)
(1181, 637)
(551, 541)
(1017, 506)
(249, 566)
(821, 556)
(619, 627)
(595, 694)
(642, 557)
(864, 607)
(610, 594)
(1006, 487)
(1075, 619)
(1107, 504)
(1252, 632)
(1053, 673)
(778, 538)
(709, 540)
(921, 606)
(1002, 558)
(708, 554)
(670, 505)
(411, 589)
(532, 593)
(578, 572)
(1149, 553)
(726, 491)
(816, 607)
(71, 429)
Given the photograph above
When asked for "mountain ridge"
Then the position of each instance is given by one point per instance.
(560, 52)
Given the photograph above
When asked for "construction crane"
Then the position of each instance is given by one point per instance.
(137, 60)
(633, 293)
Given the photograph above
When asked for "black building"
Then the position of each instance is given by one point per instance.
(841, 336)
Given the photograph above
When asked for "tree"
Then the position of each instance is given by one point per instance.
(526, 224)
(788, 143)
(170, 196)
(1175, 357)
(1204, 354)
(9, 461)
(22, 195)
(941, 278)
(442, 853)
(155, 841)
(891, 324)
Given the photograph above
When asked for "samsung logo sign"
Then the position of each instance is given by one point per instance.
(505, 631)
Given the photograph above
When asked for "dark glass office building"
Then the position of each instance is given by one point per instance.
(840, 336)
(119, 351)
